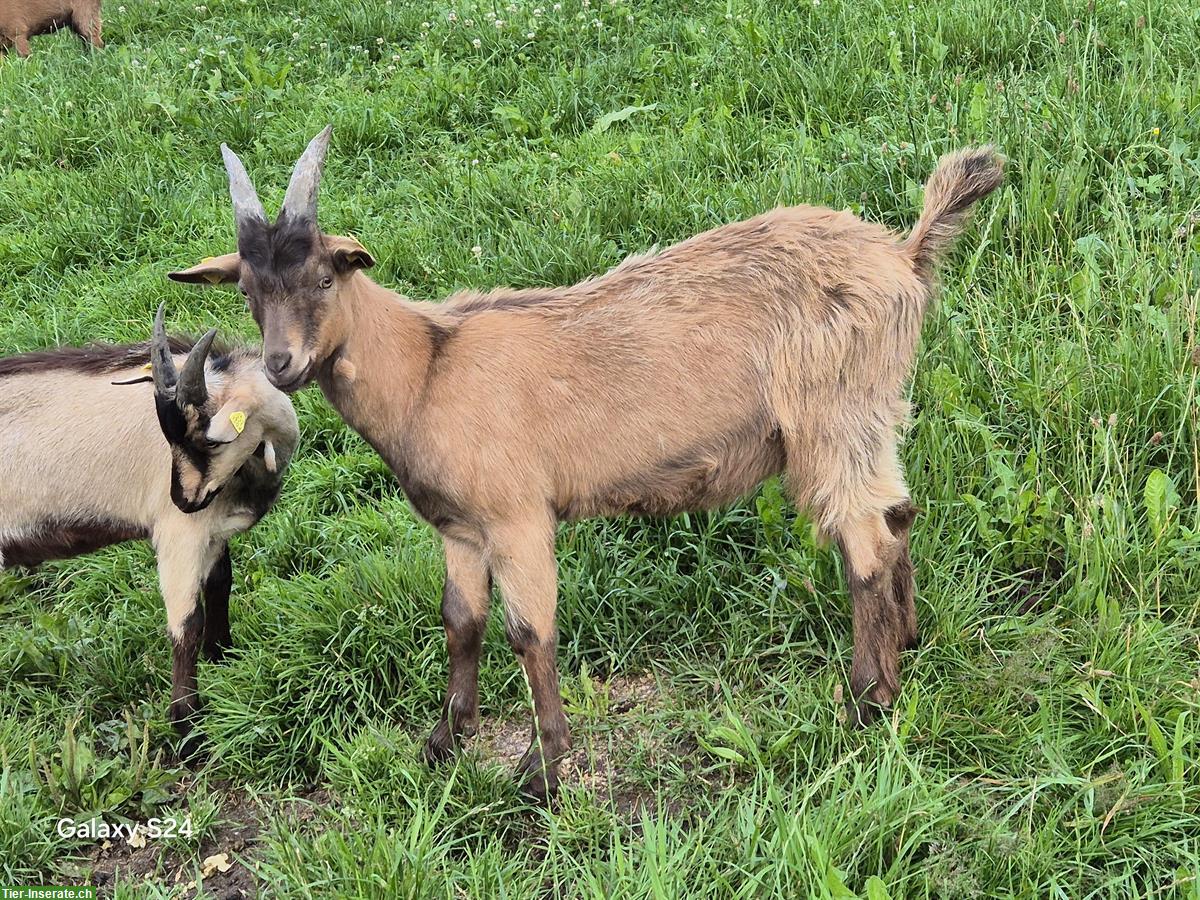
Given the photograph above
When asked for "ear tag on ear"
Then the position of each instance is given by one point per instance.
(148, 367)
(212, 277)
(238, 421)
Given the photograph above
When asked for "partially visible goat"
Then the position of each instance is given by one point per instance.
(22, 19)
(677, 381)
(86, 466)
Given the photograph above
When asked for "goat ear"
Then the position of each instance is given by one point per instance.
(214, 270)
(229, 422)
(348, 254)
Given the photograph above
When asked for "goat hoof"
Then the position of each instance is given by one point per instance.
(191, 751)
(217, 653)
(536, 780)
(862, 713)
(441, 746)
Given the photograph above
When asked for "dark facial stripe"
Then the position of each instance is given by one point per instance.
(271, 250)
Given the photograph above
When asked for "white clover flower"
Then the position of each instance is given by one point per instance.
(557, 7)
(553, 155)
(477, 250)
(468, 22)
(530, 35)
(378, 40)
(120, 9)
(395, 57)
(295, 35)
(499, 23)
(477, 43)
(425, 25)
(191, 65)
(537, 11)
(474, 162)
(391, 68)
(453, 17)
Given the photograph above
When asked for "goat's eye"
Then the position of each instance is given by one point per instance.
(210, 444)
(326, 283)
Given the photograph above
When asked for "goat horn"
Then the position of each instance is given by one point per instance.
(162, 364)
(246, 205)
(300, 202)
(193, 389)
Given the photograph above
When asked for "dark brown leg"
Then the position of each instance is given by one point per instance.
(899, 521)
(22, 44)
(525, 569)
(185, 697)
(217, 587)
(869, 551)
(465, 600)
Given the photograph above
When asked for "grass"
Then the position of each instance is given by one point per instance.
(1045, 743)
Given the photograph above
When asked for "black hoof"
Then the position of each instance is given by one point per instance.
(535, 780)
(191, 750)
(443, 743)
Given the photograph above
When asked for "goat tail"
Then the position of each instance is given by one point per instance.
(960, 180)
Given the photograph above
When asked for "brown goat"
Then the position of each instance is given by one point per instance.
(22, 19)
(677, 381)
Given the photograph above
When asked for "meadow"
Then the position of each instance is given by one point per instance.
(1046, 740)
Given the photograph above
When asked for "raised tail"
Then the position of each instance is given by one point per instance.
(960, 180)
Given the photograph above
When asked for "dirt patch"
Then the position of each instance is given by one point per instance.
(595, 761)
(220, 863)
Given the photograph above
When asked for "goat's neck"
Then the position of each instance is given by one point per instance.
(377, 377)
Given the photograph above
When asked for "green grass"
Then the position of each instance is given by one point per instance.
(1045, 743)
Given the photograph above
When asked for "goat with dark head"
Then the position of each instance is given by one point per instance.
(677, 381)
(86, 466)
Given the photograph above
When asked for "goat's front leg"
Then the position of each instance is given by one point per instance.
(217, 586)
(523, 564)
(465, 600)
(21, 42)
(182, 563)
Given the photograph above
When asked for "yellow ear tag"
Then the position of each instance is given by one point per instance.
(238, 421)
(148, 367)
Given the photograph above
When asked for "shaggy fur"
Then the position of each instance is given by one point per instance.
(677, 381)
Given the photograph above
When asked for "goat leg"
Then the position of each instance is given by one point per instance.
(465, 600)
(185, 697)
(217, 587)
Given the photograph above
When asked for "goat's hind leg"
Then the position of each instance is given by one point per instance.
(465, 600)
(86, 24)
(899, 521)
(870, 553)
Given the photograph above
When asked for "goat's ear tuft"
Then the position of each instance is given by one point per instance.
(214, 270)
(348, 254)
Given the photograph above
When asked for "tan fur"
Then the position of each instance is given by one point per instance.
(677, 381)
(22, 19)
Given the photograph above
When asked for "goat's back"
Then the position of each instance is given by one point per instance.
(669, 382)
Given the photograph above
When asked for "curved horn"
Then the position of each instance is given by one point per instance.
(246, 205)
(300, 202)
(162, 364)
(193, 390)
